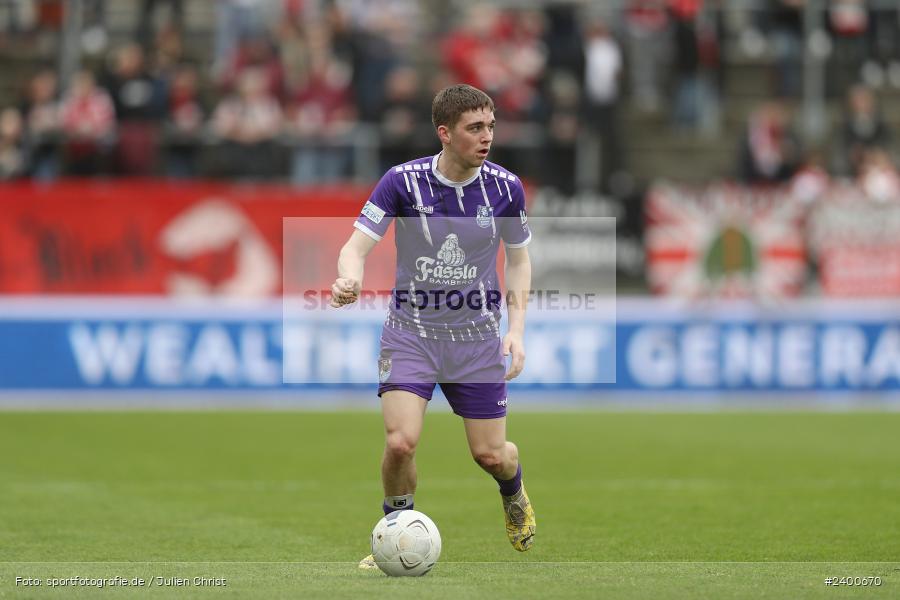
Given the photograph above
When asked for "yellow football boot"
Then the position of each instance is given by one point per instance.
(520, 522)
(368, 563)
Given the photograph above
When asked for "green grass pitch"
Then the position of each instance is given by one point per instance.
(280, 505)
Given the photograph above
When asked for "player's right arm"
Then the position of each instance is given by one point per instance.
(351, 263)
(371, 225)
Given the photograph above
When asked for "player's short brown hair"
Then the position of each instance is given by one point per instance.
(451, 102)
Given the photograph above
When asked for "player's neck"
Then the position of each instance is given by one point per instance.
(454, 170)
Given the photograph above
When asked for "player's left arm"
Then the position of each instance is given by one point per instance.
(518, 281)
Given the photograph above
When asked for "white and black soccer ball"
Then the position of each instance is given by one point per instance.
(406, 543)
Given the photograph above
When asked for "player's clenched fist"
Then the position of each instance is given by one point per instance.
(344, 291)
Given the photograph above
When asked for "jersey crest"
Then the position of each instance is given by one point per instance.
(483, 216)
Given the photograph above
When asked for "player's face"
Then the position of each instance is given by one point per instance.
(470, 139)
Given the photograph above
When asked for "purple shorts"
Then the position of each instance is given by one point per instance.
(470, 373)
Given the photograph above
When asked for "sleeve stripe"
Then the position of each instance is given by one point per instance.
(521, 244)
(374, 235)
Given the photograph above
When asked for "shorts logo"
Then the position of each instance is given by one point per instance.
(502, 402)
(374, 213)
(384, 369)
(483, 216)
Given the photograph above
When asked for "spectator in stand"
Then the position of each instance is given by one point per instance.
(368, 50)
(769, 151)
(94, 37)
(527, 58)
(293, 49)
(563, 40)
(41, 113)
(561, 123)
(646, 27)
(322, 118)
(811, 180)
(167, 54)
(237, 20)
(686, 109)
(374, 37)
(784, 19)
(259, 54)
(183, 124)
(696, 56)
(397, 21)
(603, 67)
(402, 118)
(88, 124)
(500, 53)
(864, 129)
(878, 176)
(17, 16)
(248, 123)
(884, 46)
(849, 24)
(144, 33)
(471, 53)
(139, 100)
(12, 144)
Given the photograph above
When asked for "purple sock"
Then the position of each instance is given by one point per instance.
(392, 503)
(389, 509)
(509, 487)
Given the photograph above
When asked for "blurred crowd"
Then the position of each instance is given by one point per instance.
(295, 89)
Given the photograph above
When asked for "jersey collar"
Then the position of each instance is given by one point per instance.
(444, 180)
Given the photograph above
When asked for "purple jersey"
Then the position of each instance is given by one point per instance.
(447, 236)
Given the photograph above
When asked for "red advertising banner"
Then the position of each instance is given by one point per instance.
(156, 237)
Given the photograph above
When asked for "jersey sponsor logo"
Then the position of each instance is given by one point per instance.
(449, 268)
(483, 216)
(424, 209)
(374, 213)
(450, 252)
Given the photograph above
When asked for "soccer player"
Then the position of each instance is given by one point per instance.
(452, 212)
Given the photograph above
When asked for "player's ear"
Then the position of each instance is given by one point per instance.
(443, 134)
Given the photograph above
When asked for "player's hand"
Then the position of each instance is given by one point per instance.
(344, 291)
(513, 345)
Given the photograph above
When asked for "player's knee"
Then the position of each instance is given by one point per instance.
(400, 446)
(512, 451)
(489, 460)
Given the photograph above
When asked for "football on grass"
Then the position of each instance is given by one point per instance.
(406, 543)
